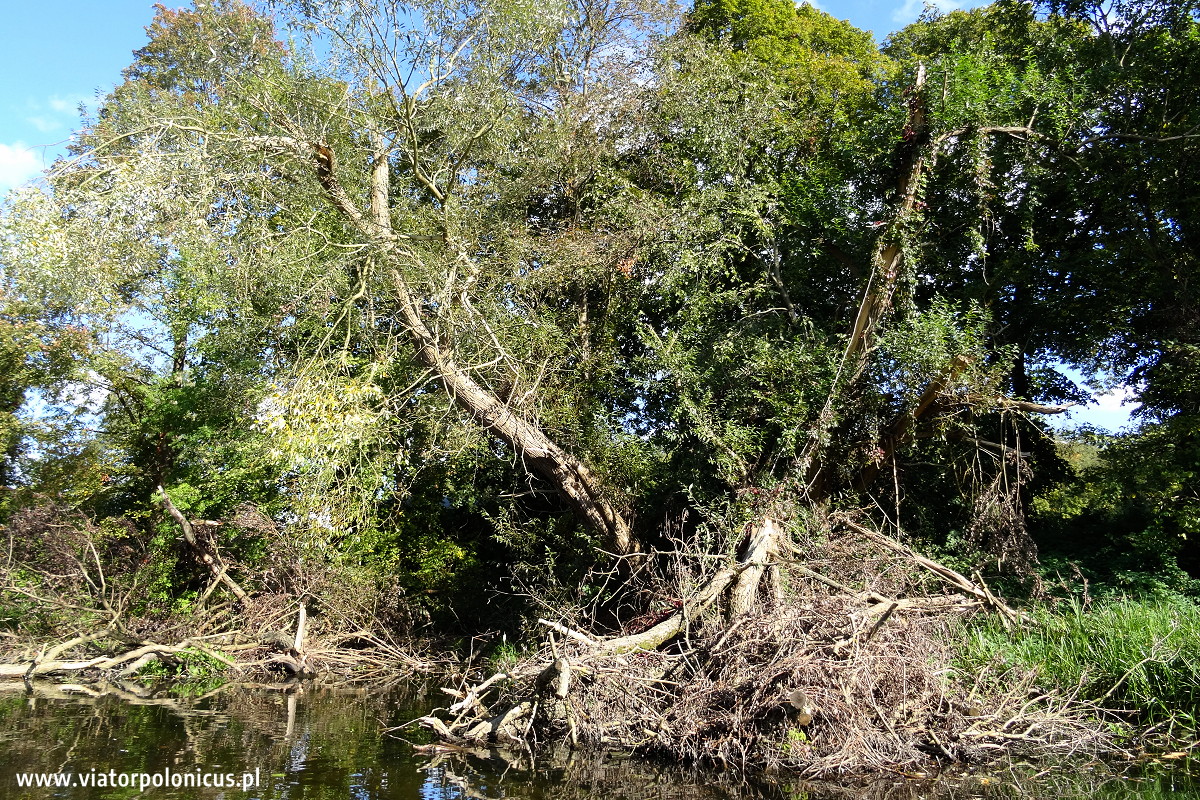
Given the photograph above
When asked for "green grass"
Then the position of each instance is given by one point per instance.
(1140, 656)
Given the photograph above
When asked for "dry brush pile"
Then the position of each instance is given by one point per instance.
(817, 654)
(73, 596)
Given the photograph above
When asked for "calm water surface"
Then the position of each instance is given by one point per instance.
(318, 743)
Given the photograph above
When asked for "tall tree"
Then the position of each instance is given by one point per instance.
(425, 201)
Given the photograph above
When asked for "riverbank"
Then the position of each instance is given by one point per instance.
(816, 689)
(813, 688)
(306, 739)
(834, 652)
(279, 646)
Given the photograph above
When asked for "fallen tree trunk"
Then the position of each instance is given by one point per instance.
(49, 664)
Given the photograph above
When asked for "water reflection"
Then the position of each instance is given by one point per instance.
(317, 743)
(302, 743)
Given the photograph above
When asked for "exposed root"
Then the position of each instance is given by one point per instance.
(841, 678)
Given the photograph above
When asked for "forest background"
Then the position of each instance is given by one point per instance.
(436, 312)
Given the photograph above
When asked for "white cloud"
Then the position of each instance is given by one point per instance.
(65, 105)
(58, 113)
(44, 124)
(18, 163)
(1111, 410)
(912, 9)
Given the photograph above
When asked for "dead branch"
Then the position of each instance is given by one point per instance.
(53, 666)
(213, 563)
(978, 590)
(1034, 408)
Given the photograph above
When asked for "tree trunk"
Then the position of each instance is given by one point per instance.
(583, 491)
(761, 549)
(882, 281)
(576, 483)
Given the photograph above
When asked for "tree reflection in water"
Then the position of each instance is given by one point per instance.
(322, 743)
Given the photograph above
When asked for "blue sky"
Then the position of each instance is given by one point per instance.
(57, 54)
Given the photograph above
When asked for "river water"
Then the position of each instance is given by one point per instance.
(316, 743)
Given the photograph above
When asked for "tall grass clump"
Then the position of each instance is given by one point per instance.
(1136, 656)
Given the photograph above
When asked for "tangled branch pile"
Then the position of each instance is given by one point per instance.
(816, 676)
(60, 572)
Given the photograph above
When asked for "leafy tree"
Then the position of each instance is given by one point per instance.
(170, 353)
(37, 357)
(478, 265)
(1073, 228)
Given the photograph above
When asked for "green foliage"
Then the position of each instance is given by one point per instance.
(827, 60)
(649, 248)
(191, 51)
(503, 657)
(925, 347)
(1130, 512)
(190, 673)
(796, 742)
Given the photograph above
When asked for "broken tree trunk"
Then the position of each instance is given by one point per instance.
(761, 550)
(213, 562)
(745, 578)
(295, 659)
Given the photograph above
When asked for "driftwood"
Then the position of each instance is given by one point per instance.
(126, 663)
(294, 657)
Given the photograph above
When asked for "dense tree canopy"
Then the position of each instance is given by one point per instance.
(440, 286)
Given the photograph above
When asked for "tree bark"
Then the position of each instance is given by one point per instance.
(760, 553)
(582, 490)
